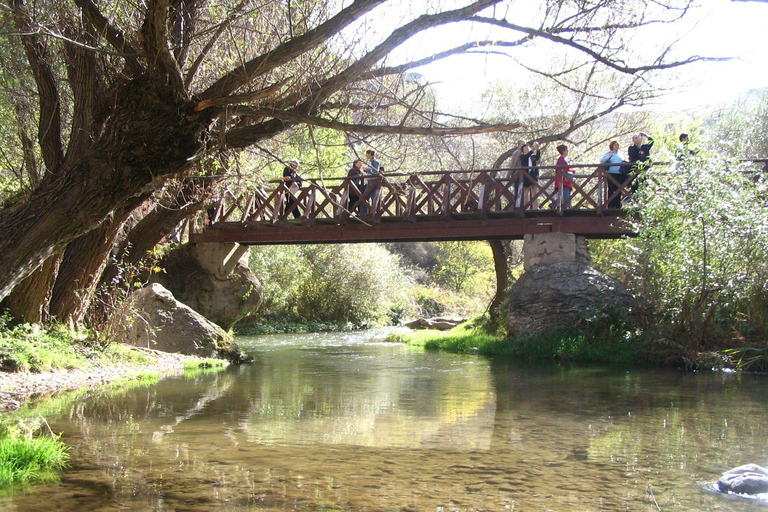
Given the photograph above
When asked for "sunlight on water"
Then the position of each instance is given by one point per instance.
(345, 422)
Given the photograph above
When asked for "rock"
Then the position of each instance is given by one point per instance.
(153, 318)
(562, 296)
(439, 324)
(223, 293)
(746, 479)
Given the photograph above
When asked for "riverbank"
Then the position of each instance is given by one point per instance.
(16, 388)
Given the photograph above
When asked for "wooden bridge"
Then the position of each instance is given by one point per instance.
(428, 206)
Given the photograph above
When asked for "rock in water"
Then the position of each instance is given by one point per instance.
(746, 479)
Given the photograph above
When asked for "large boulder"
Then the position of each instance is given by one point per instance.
(746, 479)
(153, 318)
(563, 296)
(201, 276)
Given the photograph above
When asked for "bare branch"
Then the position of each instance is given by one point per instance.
(49, 124)
(240, 98)
(465, 48)
(544, 34)
(296, 118)
(287, 51)
(325, 89)
(111, 34)
(223, 26)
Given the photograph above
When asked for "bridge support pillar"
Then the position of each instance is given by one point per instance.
(546, 248)
(220, 259)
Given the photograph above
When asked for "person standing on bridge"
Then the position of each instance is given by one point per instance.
(616, 174)
(356, 184)
(640, 156)
(515, 164)
(563, 178)
(529, 159)
(373, 169)
(294, 181)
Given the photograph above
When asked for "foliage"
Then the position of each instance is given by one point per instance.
(623, 348)
(465, 267)
(343, 284)
(702, 253)
(27, 459)
(432, 301)
(749, 358)
(740, 132)
(252, 326)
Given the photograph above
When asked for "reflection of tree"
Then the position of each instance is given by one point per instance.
(405, 407)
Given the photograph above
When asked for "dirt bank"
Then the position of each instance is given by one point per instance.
(16, 388)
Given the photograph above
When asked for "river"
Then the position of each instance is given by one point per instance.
(343, 422)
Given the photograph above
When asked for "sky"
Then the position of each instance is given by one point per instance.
(716, 28)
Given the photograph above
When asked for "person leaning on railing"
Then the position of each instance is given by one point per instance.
(616, 173)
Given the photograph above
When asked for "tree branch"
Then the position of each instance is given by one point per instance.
(156, 39)
(544, 34)
(209, 46)
(111, 34)
(465, 48)
(49, 124)
(287, 51)
(297, 118)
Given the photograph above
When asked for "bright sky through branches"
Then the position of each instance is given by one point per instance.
(716, 28)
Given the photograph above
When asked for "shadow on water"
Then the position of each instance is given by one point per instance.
(341, 421)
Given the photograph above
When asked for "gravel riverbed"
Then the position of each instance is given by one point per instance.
(18, 387)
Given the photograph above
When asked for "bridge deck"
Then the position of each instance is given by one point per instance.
(426, 207)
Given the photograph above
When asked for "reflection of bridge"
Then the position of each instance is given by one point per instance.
(426, 206)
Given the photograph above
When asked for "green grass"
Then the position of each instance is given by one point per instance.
(205, 364)
(34, 348)
(606, 345)
(194, 369)
(468, 337)
(570, 346)
(26, 459)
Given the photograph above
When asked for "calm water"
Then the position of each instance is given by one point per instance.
(341, 422)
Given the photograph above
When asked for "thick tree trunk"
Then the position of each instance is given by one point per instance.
(80, 272)
(502, 281)
(30, 299)
(147, 139)
(152, 229)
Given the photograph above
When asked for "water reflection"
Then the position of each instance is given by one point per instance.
(345, 423)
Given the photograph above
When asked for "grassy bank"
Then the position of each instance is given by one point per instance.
(34, 348)
(31, 360)
(473, 337)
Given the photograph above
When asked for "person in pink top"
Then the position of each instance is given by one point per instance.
(563, 177)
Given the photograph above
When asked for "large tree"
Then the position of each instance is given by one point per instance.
(125, 97)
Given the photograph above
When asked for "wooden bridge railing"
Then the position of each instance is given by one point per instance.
(484, 193)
